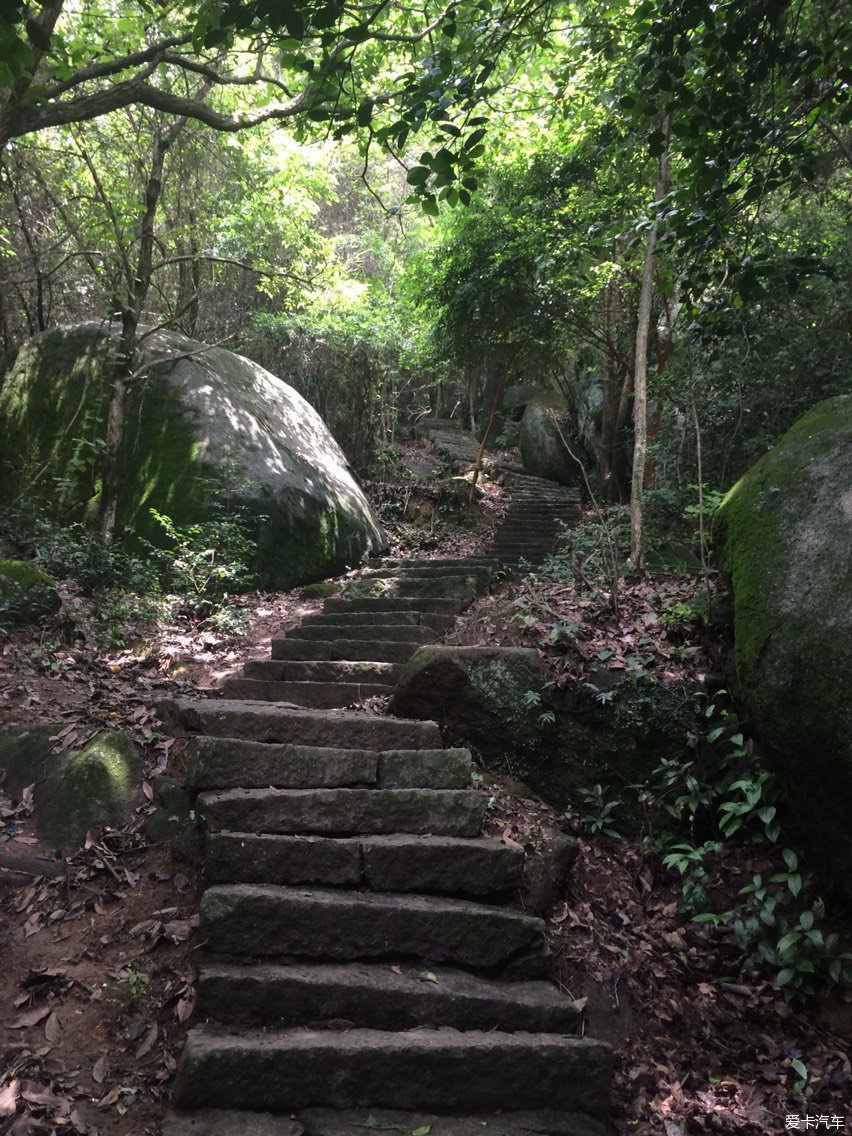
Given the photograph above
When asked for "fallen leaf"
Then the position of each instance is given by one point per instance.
(148, 1041)
(34, 1093)
(9, 1098)
(100, 1070)
(32, 1018)
(51, 1028)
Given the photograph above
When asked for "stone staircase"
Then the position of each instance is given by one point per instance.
(538, 508)
(365, 963)
(538, 511)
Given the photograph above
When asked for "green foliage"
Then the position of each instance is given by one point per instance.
(134, 982)
(73, 550)
(601, 808)
(206, 561)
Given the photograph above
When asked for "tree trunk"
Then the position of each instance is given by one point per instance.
(130, 316)
(640, 370)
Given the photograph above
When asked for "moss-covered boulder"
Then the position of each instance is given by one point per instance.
(614, 731)
(484, 697)
(26, 593)
(546, 427)
(203, 425)
(91, 787)
(783, 536)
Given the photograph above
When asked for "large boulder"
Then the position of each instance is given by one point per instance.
(546, 427)
(784, 538)
(204, 426)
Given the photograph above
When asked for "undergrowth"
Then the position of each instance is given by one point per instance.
(697, 815)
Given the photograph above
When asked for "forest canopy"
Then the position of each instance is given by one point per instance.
(642, 205)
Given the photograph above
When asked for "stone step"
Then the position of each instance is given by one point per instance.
(398, 863)
(344, 812)
(268, 722)
(395, 1122)
(461, 588)
(405, 633)
(399, 603)
(340, 670)
(377, 997)
(234, 763)
(229, 1122)
(444, 1069)
(374, 650)
(316, 695)
(425, 571)
(351, 619)
(270, 921)
(438, 561)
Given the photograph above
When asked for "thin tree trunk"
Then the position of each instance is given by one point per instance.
(495, 402)
(640, 373)
(130, 317)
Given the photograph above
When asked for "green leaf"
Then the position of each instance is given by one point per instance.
(430, 977)
(784, 976)
(806, 920)
(418, 175)
(430, 206)
(423, 1130)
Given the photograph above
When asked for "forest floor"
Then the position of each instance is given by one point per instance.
(96, 982)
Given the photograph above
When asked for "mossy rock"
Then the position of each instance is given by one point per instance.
(95, 786)
(783, 536)
(319, 591)
(485, 697)
(26, 593)
(616, 740)
(203, 426)
(546, 422)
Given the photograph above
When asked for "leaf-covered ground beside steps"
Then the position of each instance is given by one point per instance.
(698, 1050)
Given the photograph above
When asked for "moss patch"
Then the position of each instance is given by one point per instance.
(94, 786)
(784, 538)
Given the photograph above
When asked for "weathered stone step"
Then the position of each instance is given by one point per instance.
(443, 1069)
(361, 619)
(398, 863)
(229, 1122)
(442, 812)
(438, 562)
(426, 571)
(462, 588)
(234, 763)
(267, 921)
(377, 997)
(268, 722)
(316, 695)
(339, 670)
(398, 603)
(389, 632)
(348, 649)
(395, 1122)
